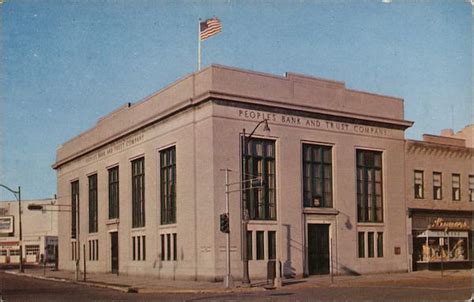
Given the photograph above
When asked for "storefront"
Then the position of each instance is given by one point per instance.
(442, 240)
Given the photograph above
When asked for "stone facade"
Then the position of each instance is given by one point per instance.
(202, 118)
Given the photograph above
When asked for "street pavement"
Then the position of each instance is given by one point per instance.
(415, 286)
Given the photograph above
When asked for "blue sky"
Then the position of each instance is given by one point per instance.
(66, 63)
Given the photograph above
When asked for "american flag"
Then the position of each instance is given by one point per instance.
(209, 28)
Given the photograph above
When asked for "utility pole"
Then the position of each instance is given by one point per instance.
(228, 280)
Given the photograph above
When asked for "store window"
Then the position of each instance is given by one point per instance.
(419, 185)
(74, 207)
(317, 176)
(456, 183)
(437, 186)
(471, 187)
(369, 186)
(114, 206)
(93, 213)
(438, 246)
(138, 193)
(168, 185)
(259, 162)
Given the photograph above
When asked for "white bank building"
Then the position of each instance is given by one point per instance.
(146, 184)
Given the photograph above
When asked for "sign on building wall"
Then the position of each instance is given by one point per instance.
(6, 224)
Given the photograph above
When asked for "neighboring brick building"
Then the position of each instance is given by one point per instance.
(440, 199)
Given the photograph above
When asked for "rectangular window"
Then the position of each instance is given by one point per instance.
(168, 247)
(369, 186)
(162, 236)
(437, 186)
(74, 207)
(260, 245)
(379, 244)
(259, 163)
(361, 244)
(456, 182)
(271, 245)
(114, 193)
(138, 193)
(249, 245)
(419, 185)
(471, 187)
(317, 176)
(139, 250)
(370, 243)
(143, 248)
(93, 213)
(168, 185)
(134, 253)
(175, 247)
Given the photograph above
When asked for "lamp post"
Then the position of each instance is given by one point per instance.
(245, 212)
(18, 197)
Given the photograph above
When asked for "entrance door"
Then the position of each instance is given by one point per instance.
(114, 252)
(318, 249)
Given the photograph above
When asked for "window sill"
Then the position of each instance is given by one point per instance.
(112, 221)
(321, 211)
(370, 224)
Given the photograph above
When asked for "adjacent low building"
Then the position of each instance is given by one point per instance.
(146, 184)
(39, 232)
(440, 199)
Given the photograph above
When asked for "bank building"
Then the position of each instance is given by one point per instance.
(316, 179)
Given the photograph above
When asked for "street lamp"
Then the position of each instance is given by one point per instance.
(18, 198)
(245, 212)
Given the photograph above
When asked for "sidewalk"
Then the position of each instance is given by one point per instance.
(141, 284)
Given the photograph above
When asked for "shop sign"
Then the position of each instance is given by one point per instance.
(6, 224)
(442, 224)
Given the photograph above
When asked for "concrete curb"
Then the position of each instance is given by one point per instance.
(306, 284)
(132, 289)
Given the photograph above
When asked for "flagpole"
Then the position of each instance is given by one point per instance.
(199, 44)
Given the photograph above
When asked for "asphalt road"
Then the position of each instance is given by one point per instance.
(15, 288)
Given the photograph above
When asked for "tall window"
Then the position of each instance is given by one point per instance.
(114, 193)
(456, 182)
(419, 185)
(370, 244)
(361, 244)
(168, 185)
(93, 203)
(260, 245)
(369, 186)
(471, 187)
(271, 245)
(380, 244)
(437, 186)
(74, 207)
(317, 176)
(138, 193)
(259, 161)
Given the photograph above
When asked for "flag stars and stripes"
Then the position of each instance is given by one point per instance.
(209, 27)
